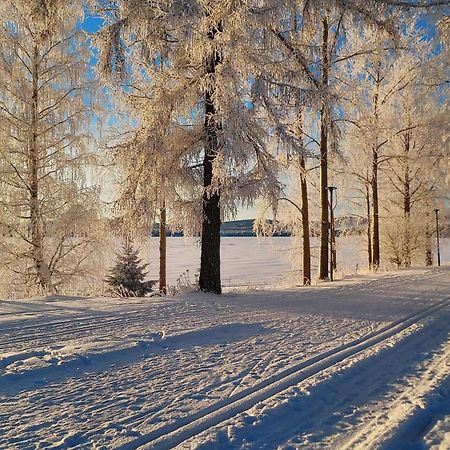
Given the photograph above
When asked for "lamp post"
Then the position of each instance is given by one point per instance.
(436, 211)
(331, 189)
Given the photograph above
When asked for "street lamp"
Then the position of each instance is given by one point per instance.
(331, 189)
(436, 211)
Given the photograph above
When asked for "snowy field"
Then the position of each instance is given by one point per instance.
(261, 261)
(363, 363)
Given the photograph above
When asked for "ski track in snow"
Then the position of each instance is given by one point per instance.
(223, 410)
(388, 397)
(255, 370)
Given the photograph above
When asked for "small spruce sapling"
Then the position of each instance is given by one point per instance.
(127, 275)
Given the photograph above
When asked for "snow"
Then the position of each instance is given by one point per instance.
(262, 261)
(244, 260)
(362, 362)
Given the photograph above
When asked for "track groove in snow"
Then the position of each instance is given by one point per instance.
(187, 427)
(398, 433)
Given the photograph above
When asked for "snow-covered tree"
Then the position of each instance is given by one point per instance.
(373, 87)
(316, 53)
(46, 207)
(416, 164)
(211, 53)
(392, 131)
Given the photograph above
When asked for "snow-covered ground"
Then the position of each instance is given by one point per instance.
(260, 261)
(361, 363)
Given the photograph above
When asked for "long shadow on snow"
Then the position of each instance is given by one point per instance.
(12, 383)
(329, 408)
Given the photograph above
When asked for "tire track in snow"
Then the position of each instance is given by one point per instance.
(187, 427)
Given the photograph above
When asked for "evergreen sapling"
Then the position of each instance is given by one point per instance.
(127, 275)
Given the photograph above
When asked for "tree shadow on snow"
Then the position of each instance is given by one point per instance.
(83, 364)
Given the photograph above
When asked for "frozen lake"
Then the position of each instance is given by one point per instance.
(260, 261)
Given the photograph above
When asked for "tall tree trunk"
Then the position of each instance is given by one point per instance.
(375, 201)
(407, 179)
(407, 239)
(369, 227)
(162, 251)
(324, 221)
(304, 207)
(42, 270)
(209, 279)
(375, 208)
(305, 225)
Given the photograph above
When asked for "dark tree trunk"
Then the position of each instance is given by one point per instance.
(369, 227)
(407, 177)
(162, 251)
(407, 256)
(304, 207)
(375, 207)
(305, 225)
(324, 221)
(375, 202)
(209, 279)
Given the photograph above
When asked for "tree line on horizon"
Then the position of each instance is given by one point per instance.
(201, 107)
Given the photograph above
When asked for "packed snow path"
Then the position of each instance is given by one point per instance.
(353, 365)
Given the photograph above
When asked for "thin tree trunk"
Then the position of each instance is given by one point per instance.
(162, 251)
(369, 227)
(304, 207)
(324, 221)
(375, 208)
(375, 201)
(305, 225)
(407, 241)
(209, 279)
(407, 181)
(42, 270)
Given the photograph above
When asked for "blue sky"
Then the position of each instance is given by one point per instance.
(91, 24)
